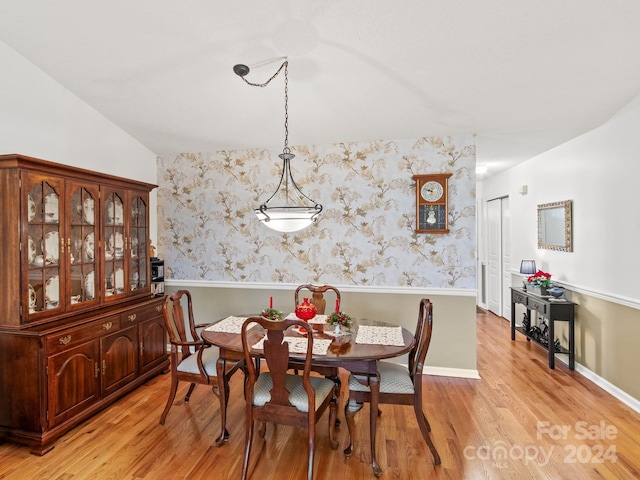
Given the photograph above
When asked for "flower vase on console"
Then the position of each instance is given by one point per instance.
(305, 310)
(538, 283)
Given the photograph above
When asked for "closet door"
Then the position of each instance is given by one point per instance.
(499, 256)
(494, 251)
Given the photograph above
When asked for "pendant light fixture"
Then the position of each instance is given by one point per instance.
(288, 209)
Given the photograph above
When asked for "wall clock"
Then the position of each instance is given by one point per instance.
(432, 206)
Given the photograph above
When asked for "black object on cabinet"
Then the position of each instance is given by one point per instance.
(157, 276)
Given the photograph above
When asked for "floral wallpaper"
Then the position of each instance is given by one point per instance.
(365, 235)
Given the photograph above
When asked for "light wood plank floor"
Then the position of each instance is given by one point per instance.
(520, 421)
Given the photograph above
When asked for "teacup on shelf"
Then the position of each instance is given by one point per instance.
(75, 299)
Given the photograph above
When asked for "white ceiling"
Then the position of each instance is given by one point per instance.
(523, 75)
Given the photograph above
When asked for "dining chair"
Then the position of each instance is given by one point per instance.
(399, 385)
(191, 359)
(317, 295)
(318, 299)
(275, 396)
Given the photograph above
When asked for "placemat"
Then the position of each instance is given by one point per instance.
(299, 345)
(375, 335)
(228, 325)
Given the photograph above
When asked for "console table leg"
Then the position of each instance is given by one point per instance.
(552, 344)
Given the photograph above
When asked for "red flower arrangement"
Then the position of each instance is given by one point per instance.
(339, 318)
(540, 279)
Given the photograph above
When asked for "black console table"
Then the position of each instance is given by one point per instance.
(553, 310)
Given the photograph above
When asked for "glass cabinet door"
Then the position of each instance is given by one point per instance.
(82, 244)
(114, 245)
(139, 235)
(44, 243)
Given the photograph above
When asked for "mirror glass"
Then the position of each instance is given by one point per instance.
(554, 226)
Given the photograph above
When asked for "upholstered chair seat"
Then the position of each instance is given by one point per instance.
(209, 359)
(394, 378)
(297, 395)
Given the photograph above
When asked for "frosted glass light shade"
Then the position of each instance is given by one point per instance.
(287, 219)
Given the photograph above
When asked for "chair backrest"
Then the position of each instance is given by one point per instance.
(276, 355)
(317, 296)
(422, 337)
(175, 320)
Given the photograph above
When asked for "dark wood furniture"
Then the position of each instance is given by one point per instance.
(276, 396)
(320, 302)
(399, 385)
(553, 310)
(343, 352)
(317, 295)
(192, 360)
(78, 325)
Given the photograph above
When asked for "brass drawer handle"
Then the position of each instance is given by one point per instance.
(107, 326)
(132, 317)
(64, 340)
(158, 308)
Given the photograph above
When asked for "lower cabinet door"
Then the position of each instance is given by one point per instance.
(153, 343)
(119, 359)
(74, 382)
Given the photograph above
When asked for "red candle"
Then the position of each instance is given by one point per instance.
(270, 302)
(337, 305)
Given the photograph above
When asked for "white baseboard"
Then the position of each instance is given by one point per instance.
(607, 386)
(451, 372)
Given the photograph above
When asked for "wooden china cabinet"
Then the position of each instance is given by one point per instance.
(78, 324)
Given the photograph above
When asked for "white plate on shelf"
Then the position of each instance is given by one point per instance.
(32, 298)
(114, 211)
(32, 208)
(52, 292)
(117, 279)
(50, 247)
(89, 246)
(32, 249)
(116, 244)
(51, 208)
(88, 210)
(89, 286)
(134, 247)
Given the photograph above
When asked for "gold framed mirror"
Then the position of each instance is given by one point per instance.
(554, 226)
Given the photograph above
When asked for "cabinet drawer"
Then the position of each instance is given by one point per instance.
(519, 297)
(137, 315)
(74, 336)
(537, 305)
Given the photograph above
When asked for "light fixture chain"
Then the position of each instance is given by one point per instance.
(284, 64)
(286, 107)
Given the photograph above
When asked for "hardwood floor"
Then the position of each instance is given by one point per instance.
(520, 421)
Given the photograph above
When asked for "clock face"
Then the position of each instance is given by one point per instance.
(431, 191)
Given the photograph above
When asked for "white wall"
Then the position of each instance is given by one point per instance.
(42, 119)
(599, 171)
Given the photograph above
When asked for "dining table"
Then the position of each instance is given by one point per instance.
(356, 350)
